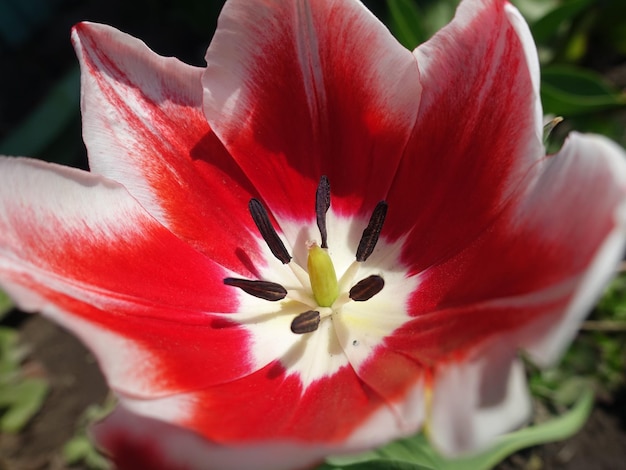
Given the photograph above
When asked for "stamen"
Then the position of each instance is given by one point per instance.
(367, 288)
(262, 221)
(371, 232)
(262, 289)
(322, 204)
(306, 322)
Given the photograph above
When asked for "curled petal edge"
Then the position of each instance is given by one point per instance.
(472, 404)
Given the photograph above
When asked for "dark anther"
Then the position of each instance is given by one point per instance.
(306, 322)
(262, 221)
(322, 203)
(261, 289)
(367, 288)
(371, 232)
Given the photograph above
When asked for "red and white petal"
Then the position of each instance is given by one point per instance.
(133, 441)
(478, 399)
(591, 227)
(478, 132)
(545, 256)
(73, 226)
(79, 248)
(144, 127)
(300, 89)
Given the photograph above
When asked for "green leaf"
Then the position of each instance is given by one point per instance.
(439, 14)
(76, 449)
(406, 23)
(416, 454)
(23, 399)
(533, 10)
(20, 398)
(569, 91)
(80, 449)
(549, 25)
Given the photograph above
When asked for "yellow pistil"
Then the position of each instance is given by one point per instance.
(322, 276)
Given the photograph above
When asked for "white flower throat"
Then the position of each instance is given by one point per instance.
(329, 293)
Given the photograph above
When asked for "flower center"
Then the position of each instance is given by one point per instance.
(328, 292)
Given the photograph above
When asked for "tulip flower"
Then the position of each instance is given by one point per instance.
(320, 242)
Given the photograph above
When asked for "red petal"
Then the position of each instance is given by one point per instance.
(143, 127)
(82, 250)
(272, 406)
(478, 132)
(296, 90)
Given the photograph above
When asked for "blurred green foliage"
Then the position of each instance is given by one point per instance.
(20, 397)
(6, 305)
(80, 448)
